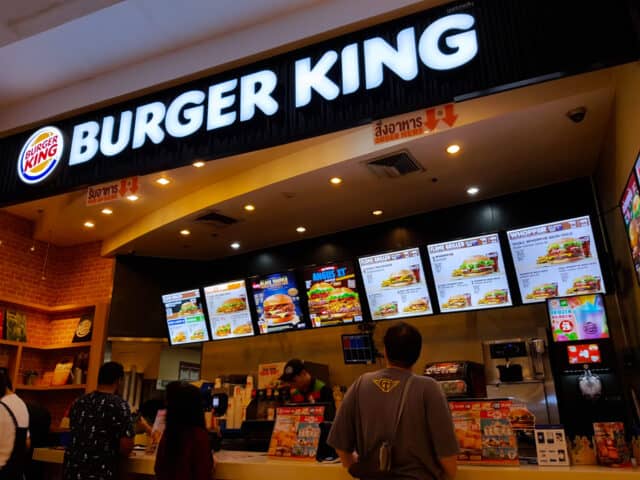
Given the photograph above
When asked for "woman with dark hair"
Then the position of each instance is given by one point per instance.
(184, 452)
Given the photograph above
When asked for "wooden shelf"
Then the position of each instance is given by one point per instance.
(11, 343)
(47, 388)
(60, 346)
(44, 308)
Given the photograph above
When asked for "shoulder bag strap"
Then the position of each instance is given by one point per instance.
(13, 417)
(403, 400)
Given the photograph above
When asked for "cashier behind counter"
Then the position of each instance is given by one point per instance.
(307, 388)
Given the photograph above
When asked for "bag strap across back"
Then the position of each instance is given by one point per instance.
(403, 400)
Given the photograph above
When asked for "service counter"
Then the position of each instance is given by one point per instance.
(249, 466)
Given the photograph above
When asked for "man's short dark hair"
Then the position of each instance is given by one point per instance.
(110, 373)
(5, 382)
(403, 344)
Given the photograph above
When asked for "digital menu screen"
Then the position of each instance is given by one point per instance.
(395, 285)
(277, 300)
(333, 295)
(578, 318)
(185, 317)
(630, 206)
(470, 274)
(584, 353)
(228, 309)
(555, 259)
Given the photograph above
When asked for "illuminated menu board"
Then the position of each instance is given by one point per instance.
(630, 207)
(555, 259)
(277, 300)
(228, 309)
(581, 317)
(333, 295)
(470, 274)
(185, 317)
(395, 285)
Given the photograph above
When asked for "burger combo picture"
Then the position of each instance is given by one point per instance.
(277, 300)
(332, 295)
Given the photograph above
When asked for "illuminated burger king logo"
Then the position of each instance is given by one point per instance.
(40, 155)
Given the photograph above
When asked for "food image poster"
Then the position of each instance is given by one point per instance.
(470, 274)
(484, 432)
(228, 308)
(296, 433)
(578, 318)
(551, 446)
(185, 317)
(277, 300)
(610, 444)
(333, 295)
(395, 285)
(15, 325)
(556, 259)
(630, 207)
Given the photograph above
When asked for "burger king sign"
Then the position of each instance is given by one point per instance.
(40, 155)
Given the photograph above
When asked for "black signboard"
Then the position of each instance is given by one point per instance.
(449, 53)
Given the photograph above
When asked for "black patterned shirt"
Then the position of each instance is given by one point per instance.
(98, 422)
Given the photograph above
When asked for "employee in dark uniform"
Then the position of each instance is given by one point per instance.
(308, 389)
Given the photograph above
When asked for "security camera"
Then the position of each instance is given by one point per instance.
(576, 115)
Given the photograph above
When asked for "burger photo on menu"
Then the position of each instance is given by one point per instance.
(456, 302)
(476, 266)
(319, 295)
(563, 251)
(279, 309)
(343, 303)
(401, 278)
(179, 337)
(585, 284)
(418, 305)
(197, 335)
(188, 308)
(386, 309)
(223, 330)
(545, 290)
(495, 297)
(233, 304)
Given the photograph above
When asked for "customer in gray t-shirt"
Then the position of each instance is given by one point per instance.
(425, 446)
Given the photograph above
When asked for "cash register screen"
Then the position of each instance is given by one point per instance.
(358, 348)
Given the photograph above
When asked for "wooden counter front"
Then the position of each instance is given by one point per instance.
(249, 466)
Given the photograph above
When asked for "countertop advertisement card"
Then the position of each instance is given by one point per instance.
(551, 446)
(484, 432)
(611, 446)
(296, 433)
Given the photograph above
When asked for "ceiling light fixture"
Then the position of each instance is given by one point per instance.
(163, 181)
(335, 180)
(377, 213)
(107, 211)
(473, 190)
(89, 224)
(133, 198)
(249, 207)
(185, 232)
(301, 229)
(453, 149)
(198, 164)
(235, 245)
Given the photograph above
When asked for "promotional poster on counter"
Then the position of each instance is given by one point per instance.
(630, 206)
(556, 259)
(185, 317)
(296, 433)
(277, 301)
(470, 274)
(395, 285)
(333, 295)
(578, 318)
(229, 314)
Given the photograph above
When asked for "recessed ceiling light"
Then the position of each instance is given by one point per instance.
(235, 245)
(163, 181)
(453, 149)
(107, 211)
(185, 232)
(198, 164)
(249, 207)
(89, 224)
(301, 229)
(335, 180)
(133, 198)
(473, 190)
(377, 213)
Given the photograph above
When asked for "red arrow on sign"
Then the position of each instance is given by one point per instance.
(123, 187)
(134, 185)
(432, 120)
(450, 116)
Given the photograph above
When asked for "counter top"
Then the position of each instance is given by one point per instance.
(250, 465)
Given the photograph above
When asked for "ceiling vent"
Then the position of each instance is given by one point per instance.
(395, 165)
(216, 219)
